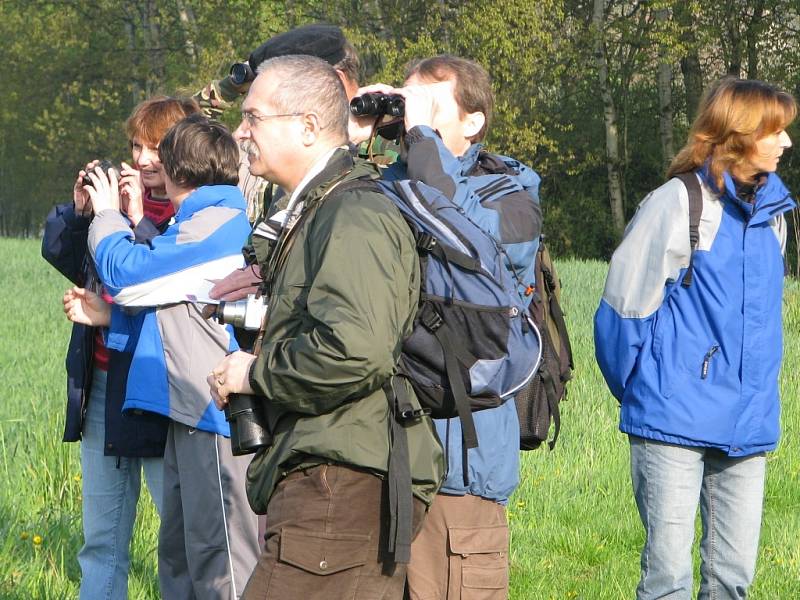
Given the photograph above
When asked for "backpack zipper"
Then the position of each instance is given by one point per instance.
(707, 360)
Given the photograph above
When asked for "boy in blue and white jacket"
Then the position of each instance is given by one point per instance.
(208, 541)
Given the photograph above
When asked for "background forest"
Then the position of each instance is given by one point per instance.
(596, 95)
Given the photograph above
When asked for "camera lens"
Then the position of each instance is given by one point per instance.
(105, 165)
(241, 73)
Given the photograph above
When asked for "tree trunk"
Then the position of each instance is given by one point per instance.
(751, 39)
(155, 51)
(188, 25)
(734, 41)
(665, 97)
(609, 118)
(690, 63)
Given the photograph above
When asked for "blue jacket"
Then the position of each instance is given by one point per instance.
(174, 347)
(134, 435)
(501, 196)
(698, 365)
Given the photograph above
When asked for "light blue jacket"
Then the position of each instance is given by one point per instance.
(174, 347)
(698, 365)
(505, 204)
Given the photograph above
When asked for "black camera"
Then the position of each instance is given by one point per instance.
(377, 105)
(249, 432)
(106, 165)
(241, 73)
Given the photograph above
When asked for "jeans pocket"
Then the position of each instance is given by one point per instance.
(483, 554)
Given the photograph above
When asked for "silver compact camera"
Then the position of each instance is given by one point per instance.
(244, 314)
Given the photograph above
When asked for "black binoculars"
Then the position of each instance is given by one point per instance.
(377, 105)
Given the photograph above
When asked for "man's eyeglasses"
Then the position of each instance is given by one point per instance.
(252, 119)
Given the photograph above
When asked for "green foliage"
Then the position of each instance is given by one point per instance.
(72, 72)
(575, 532)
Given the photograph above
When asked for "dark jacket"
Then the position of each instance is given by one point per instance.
(340, 306)
(64, 246)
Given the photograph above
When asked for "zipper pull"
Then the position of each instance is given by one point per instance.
(707, 360)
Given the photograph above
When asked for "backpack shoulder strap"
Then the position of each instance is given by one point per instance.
(695, 212)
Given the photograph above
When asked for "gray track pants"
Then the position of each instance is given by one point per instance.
(208, 541)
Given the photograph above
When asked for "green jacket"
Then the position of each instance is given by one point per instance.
(339, 308)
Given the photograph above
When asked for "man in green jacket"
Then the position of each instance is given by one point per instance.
(343, 285)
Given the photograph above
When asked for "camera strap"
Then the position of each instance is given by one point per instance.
(288, 234)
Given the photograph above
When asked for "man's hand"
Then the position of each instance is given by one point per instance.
(87, 308)
(131, 192)
(231, 376)
(360, 128)
(423, 102)
(104, 190)
(237, 285)
(80, 196)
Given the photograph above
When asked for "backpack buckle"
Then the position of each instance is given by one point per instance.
(430, 318)
(415, 413)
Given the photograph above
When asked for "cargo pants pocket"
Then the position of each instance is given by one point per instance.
(478, 562)
(318, 565)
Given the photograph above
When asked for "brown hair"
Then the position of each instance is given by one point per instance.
(734, 114)
(150, 119)
(472, 88)
(350, 65)
(197, 152)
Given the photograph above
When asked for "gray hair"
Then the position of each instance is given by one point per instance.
(310, 85)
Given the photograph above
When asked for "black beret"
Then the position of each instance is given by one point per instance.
(323, 41)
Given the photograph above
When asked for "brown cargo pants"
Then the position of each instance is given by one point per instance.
(461, 553)
(325, 538)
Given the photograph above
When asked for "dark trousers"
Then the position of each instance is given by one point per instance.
(325, 539)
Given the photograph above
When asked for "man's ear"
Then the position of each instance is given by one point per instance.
(473, 123)
(312, 128)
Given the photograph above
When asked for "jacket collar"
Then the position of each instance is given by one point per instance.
(210, 195)
(469, 158)
(772, 196)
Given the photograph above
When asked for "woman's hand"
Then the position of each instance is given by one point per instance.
(104, 190)
(87, 308)
(80, 196)
(131, 193)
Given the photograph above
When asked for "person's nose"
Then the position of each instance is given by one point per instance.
(242, 132)
(785, 140)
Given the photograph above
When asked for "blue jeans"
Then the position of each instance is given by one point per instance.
(111, 487)
(668, 482)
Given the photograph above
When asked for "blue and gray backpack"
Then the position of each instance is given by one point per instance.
(473, 344)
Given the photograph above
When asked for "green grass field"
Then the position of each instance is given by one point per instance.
(575, 532)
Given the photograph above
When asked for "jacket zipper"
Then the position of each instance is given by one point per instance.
(707, 360)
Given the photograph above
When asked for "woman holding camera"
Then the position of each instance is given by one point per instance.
(688, 337)
(114, 448)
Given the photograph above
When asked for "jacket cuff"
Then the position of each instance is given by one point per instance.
(145, 231)
(73, 219)
(255, 384)
(419, 133)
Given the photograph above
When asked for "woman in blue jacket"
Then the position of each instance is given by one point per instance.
(695, 360)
